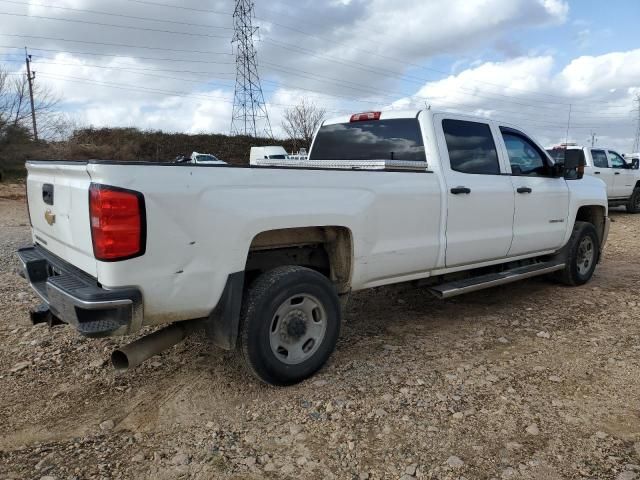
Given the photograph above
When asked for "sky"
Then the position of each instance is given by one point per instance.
(544, 65)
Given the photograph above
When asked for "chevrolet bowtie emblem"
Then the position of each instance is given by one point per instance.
(50, 217)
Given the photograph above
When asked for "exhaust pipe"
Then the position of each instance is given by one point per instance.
(134, 353)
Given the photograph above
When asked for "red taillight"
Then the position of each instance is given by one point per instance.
(363, 117)
(117, 223)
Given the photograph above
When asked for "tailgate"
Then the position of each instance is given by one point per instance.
(58, 196)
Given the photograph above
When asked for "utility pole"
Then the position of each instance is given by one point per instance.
(636, 143)
(249, 115)
(593, 139)
(31, 77)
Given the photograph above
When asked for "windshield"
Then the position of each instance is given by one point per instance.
(394, 139)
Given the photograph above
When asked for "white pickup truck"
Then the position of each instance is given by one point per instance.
(620, 174)
(261, 257)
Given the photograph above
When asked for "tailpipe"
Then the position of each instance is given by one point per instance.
(134, 353)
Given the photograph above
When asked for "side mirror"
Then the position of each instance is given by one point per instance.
(635, 163)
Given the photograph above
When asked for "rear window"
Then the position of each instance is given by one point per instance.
(560, 154)
(394, 139)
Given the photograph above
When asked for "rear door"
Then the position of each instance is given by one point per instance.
(541, 201)
(623, 178)
(480, 201)
(601, 169)
(58, 196)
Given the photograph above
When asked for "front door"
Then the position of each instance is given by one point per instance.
(602, 171)
(623, 177)
(479, 198)
(541, 201)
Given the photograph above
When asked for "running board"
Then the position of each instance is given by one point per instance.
(452, 289)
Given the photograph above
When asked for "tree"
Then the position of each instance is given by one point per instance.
(301, 121)
(15, 108)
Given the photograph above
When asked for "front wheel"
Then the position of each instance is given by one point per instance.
(583, 255)
(290, 324)
(633, 206)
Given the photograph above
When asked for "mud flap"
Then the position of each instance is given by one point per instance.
(222, 325)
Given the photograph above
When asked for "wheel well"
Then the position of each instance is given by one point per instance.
(328, 250)
(595, 215)
(637, 184)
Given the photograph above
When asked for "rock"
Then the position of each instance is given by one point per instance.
(250, 461)
(20, 366)
(533, 429)
(455, 462)
(380, 412)
(407, 477)
(181, 459)
(107, 425)
(555, 378)
(48, 477)
(492, 378)
(287, 469)
(628, 475)
(432, 428)
(411, 469)
(508, 473)
(295, 429)
(363, 476)
(503, 340)
(457, 416)
(636, 447)
(387, 397)
(601, 435)
(543, 335)
(513, 446)
(138, 457)
(301, 461)
(270, 467)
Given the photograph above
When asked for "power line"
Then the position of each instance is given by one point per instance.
(101, 24)
(119, 15)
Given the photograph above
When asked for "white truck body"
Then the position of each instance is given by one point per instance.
(379, 220)
(620, 174)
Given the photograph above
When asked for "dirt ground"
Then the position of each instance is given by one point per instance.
(528, 381)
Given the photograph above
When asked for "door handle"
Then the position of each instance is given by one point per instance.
(524, 190)
(459, 190)
(617, 173)
(597, 173)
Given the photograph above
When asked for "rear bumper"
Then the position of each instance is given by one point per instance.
(77, 299)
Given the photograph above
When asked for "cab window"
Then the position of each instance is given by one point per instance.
(524, 156)
(471, 147)
(599, 159)
(616, 160)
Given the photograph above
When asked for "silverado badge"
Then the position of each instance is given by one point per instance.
(50, 217)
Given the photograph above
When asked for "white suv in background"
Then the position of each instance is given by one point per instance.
(621, 175)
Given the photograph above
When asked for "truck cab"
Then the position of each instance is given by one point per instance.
(620, 174)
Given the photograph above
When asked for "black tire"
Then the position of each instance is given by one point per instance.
(633, 206)
(573, 275)
(270, 292)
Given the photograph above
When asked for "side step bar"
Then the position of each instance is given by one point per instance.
(452, 289)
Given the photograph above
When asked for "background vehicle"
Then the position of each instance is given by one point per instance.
(205, 158)
(265, 255)
(621, 175)
(267, 153)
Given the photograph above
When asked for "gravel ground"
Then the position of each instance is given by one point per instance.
(528, 381)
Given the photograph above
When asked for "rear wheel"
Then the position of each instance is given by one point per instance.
(633, 206)
(583, 255)
(289, 325)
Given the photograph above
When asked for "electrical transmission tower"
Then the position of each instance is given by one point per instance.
(636, 143)
(249, 110)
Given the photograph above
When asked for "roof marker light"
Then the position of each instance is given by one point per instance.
(363, 117)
